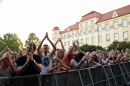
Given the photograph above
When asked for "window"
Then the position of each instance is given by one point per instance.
(86, 23)
(65, 36)
(81, 25)
(92, 22)
(115, 25)
(87, 31)
(107, 27)
(99, 28)
(81, 41)
(107, 37)
(81, 33)
(93, 39)
(125, 34)
(55, 32)
(72, 35)
(100, 38)
(64, 43)
(68, 43)
(116, 36)
(125, 23)
(87, 40)
(68, 35)
(92, 30)
(77, 34)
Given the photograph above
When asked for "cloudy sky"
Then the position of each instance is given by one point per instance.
(25, 16)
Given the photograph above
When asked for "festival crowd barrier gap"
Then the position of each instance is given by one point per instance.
(107, 75)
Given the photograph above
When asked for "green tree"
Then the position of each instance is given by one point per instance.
(87, 48)
(32, 38)
(12, 41)
(124, 45)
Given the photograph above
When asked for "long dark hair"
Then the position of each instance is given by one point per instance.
(79, 56)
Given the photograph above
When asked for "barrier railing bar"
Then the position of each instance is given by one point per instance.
(39, 80)
(91, 77)
(113, 75)
(55, 75)
(106, 75)
(126, 71)
(123, 74)
(80, 78)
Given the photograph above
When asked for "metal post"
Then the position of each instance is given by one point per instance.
(80, 78)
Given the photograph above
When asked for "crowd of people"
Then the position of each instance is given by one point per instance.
(41, 60)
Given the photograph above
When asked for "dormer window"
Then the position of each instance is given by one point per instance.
(92, 22)
(81, 25)
(114, 14)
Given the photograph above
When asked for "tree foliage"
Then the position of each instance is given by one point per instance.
(32, 38)
(12, 41)
(124, 45)
(87, 48)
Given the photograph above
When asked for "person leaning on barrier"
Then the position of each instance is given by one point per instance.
(90, 62)
(30, 63)
(76, 62)
(7, 68)
(58, 66)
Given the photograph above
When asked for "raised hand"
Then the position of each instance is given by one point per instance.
(29, 56)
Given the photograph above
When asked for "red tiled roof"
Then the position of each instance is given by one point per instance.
(120, 12)
(90, 15)
(72, 27)
(56, 28)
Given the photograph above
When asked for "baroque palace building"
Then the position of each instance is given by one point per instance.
(96, 29)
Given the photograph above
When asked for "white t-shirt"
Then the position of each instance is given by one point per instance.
(46, 63)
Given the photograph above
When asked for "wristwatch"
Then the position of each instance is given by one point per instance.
(32, 62)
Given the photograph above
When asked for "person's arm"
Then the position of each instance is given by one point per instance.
(52, 69)
(62, 45)
(78, 48)
(12, 68)
(62, 64)
(39, 46)
(2, 52)
(36, 65)
(96, 64)
(10, 51)
(56, 43)
(69, 51)
(21, 69)
(54, 48)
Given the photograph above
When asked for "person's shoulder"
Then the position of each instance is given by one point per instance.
(36, 56)
(22, 57)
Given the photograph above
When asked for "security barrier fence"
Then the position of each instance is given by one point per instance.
(107, 75)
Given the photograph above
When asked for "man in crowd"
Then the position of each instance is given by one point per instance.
(45, 55)
(30, 63)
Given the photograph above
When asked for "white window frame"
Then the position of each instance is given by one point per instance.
(116, 36)
(87, 41)
(125, 23)
(93, 40)
(92, 30)
(92, 21)
(108, 37)
(68, 43)
(87, 32)
(100, 38)
(107, 27)
(99, 28)
(125, 35)
(86, 23)
(115, 25)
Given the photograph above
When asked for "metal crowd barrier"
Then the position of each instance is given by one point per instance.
(107, 75)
